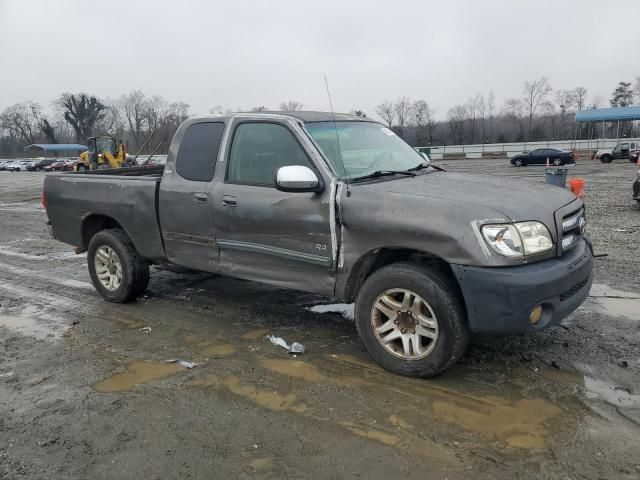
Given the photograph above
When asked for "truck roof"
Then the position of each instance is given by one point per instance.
(305, 116)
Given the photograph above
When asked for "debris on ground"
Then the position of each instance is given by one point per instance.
(145, 329)
(184, 363)
(294, 348)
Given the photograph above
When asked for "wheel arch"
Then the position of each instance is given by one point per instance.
(373, 260)
(95, 223)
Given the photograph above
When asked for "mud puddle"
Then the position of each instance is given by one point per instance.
(137, 373)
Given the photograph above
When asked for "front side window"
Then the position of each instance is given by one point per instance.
(259, 150)
(198, 152)
(364, 147)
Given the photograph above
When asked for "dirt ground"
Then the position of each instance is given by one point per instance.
(86, 392)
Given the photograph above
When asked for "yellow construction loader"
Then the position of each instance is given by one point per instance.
(103, 152)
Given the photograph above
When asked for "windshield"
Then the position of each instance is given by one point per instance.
(366, 148)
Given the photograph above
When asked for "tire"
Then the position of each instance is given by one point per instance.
(81, 167)
(606, 158)
(444, 308)
(557, 161)
(518, 162)
(134, 270)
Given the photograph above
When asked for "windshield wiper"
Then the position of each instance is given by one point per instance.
(425, 165)
(382, 173)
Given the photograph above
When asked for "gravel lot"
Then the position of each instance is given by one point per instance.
(85, 391)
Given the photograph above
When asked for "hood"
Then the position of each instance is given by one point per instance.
(520, 200)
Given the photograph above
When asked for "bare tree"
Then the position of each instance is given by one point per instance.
(82, 112)
(259, 108)
(134, 107)
(565, 99)
(386, 112)
(535, 93)
(596, 101)
(423, 120)
(23, 120)
(491, 107)
(402, 108)
(482, 111)
(291, 106)
(359, 113)
(515, 110)
(457, 116)
(580, 97)
(552, 114)
(472, 113)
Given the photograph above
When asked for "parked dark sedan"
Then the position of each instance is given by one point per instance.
(539, 157)
(40, 164)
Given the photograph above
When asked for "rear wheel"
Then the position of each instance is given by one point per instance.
(81, 167)
(411, 320)
(117, 270)
(557, 161)
(606, 158)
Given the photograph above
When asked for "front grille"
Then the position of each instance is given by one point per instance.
(573, 226)
(573, 290)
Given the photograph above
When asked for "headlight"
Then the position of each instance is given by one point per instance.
(518, 239)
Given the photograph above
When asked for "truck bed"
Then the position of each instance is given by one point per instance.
(123, 197)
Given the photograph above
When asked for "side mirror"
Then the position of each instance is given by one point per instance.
(426, 158)
(297, 178)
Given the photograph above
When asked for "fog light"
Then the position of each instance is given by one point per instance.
(535, 315)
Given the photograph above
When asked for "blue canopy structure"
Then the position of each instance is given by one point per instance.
(56, 147)
(608, 114)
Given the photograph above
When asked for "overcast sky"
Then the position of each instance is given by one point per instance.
(241, 53)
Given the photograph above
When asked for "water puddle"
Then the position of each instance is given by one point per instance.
(615, 303)
(254, 334)
(344, 309)
(33, 322)
(137, 373)
(521, 423)
(267, 399)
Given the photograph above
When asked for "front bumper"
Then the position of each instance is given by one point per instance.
(499, 300)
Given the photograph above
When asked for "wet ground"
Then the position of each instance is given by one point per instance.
(86, 390)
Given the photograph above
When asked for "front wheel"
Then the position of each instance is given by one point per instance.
(518, 162)
(81, 167)
(606, 158)
(412, 320)
(117, 270)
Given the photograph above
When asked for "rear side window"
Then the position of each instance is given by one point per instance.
(199, 151)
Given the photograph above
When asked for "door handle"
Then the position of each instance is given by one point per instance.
(229, 201)
(200, 197)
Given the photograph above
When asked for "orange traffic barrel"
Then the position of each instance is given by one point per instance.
(577, 186)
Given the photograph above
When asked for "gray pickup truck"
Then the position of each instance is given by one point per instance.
(340, 206)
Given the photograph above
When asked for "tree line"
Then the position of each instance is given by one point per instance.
(148, 122)
(540, 113)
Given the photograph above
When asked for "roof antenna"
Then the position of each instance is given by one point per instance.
(335, 127)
